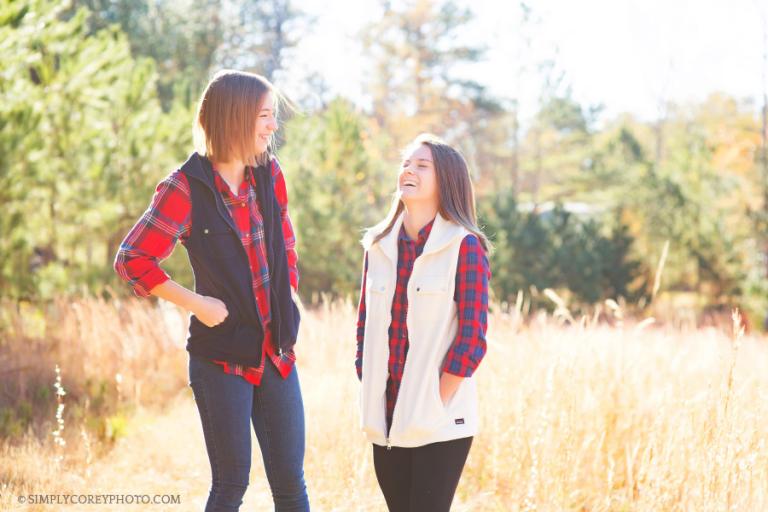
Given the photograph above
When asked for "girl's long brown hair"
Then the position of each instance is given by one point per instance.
(456, 195)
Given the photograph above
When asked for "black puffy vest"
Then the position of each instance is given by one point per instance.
(221, 269)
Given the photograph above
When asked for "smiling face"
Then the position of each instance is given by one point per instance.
(236, 117)
(434, 175)
(417, 180)
(266, 123)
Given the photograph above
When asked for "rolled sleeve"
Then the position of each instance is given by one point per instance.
(154, 236)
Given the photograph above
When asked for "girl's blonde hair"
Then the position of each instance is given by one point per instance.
(456, 195)
(225, 124)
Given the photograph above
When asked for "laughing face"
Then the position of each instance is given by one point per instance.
(417, 180)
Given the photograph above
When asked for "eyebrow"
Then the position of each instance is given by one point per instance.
(266, 110)
(419, 160)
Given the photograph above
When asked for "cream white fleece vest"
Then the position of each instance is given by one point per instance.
(420, 417)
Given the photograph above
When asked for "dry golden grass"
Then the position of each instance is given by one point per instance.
(581, 417)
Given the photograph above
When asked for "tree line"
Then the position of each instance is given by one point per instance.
(96, 106)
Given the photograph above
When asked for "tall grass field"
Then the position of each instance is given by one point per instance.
(577, 415)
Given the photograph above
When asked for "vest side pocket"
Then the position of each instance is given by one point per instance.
(443, 407)
(199, 329)
(461, 409)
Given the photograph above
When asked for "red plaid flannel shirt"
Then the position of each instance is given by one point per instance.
(471, 295)
(169, 218)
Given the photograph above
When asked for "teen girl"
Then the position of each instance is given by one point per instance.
(421, 329)
(227, 204)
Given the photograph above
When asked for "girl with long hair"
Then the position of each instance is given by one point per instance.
(421, 327)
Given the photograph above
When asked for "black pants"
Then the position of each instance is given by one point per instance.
(422, 479)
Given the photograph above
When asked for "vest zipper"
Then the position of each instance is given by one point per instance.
(389, 444)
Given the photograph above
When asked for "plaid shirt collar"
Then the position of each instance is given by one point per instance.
(423, 234)
(221, 184)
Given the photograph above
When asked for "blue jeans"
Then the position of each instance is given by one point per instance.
(227, 405)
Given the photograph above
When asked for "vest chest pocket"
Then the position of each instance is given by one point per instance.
(430, 285)
(375, 284)
(221, 242)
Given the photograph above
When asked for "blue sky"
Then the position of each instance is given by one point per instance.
(626, 54)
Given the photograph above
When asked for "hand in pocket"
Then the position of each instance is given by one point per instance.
(449, 384)
(211, 311)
